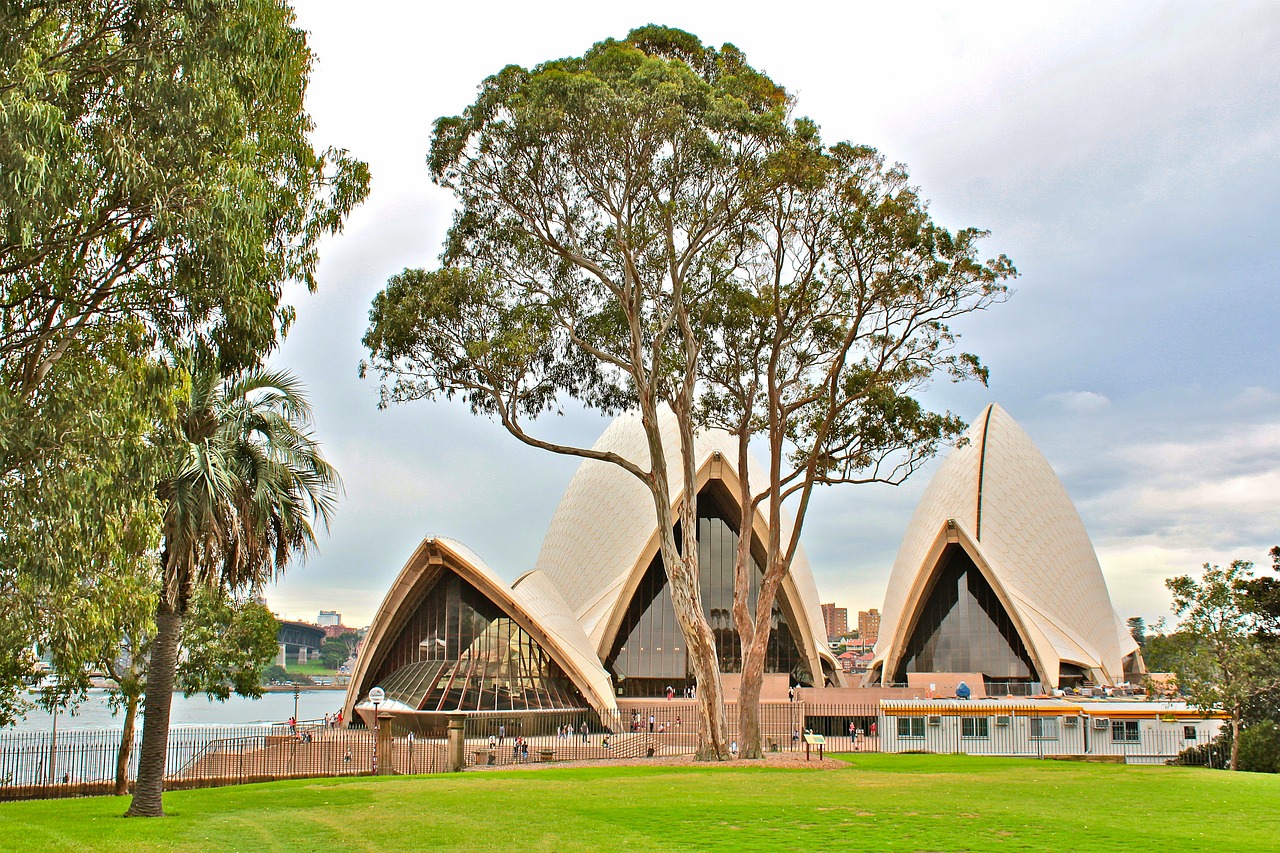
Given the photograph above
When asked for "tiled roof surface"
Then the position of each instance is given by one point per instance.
(1028, 532)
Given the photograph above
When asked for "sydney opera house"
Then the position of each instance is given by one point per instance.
(996, 579)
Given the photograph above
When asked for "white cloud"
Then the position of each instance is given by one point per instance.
(1078, 402)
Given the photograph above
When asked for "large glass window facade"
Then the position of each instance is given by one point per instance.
(964, 628)
(648, 653)
(458, 651)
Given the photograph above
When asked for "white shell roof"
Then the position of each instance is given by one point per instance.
(1011, 508)
(535, 601)
(603, 534)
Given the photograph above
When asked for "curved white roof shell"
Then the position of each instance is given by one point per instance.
(535, 606)
(998, 498)
(603, 536)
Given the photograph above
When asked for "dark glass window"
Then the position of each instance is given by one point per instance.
(964, 628)
(1125, 731)
(1044, 728)
(1188, 732)
(974, 727)
(648, 653)
(911, 727)
(458, 651)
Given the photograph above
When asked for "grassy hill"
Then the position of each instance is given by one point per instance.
(875, 802)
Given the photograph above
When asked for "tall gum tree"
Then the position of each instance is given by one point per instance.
(834, 315)
(597, 198)
(158, 187)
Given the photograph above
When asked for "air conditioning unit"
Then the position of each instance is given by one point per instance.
(1070, 722)
(1101, 723)
(1002, 721)
(935, 721)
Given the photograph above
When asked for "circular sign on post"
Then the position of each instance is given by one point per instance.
(376, 695)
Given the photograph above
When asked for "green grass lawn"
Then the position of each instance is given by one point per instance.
(312, 669)
(877, 802)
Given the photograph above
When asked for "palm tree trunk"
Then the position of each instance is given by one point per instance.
(161, 673)
(126, 747)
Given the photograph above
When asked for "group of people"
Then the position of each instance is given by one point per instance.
(638, 724)
(689, 692)
(565, 732)
(333, 721)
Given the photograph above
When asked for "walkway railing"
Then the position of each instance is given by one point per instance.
(83, 762)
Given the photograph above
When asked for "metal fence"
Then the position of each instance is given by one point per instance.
(83, 762)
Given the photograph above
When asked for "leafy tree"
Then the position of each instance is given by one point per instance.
(835, 314)
(350, 640)
(597, 197)
(157, 188)
(78, 510)
(274, 672)
(225, 646)
(155, 164)
(1228, 667)
(334, 653)
(1138, 630)
(245, 483)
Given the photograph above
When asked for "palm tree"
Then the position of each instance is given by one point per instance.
(246, 484)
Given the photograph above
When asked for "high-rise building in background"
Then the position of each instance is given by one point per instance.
(868, 624)
(836, 620)
(329, 617)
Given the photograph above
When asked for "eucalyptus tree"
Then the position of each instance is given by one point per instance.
(158, 188)
(1229, 664)
(597, 198)
(835, 315)
(245, 483)
(155, 164)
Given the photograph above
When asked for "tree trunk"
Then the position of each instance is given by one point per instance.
(161, 672)
(686, 595)
(126, 747)
(1235, 739)
(753, 659)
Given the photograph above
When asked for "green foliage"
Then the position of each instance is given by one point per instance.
(596, 195)
(245, 480)
(157, 189)
(1138, 630)
(1225, 666)
(881, 802)
(155, 163)
(228, 642)
(334, 653)
(1260, 747)
(274, 672)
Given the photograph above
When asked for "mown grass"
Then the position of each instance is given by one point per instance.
(877, 802)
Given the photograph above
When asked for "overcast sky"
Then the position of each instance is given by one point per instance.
(1123, 155)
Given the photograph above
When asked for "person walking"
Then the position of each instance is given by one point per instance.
(651, 724)
(585, 731)
(502, 733)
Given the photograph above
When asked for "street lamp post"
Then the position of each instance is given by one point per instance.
(376, 696)
(296, 691)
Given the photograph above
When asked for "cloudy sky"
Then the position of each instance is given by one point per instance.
(1125, 156)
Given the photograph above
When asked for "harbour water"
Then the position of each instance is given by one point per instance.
(95, 712)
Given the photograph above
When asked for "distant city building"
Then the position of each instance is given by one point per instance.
(329, 617)
(836, 620)
(869, 624)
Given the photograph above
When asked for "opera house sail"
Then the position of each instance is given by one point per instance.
(593, 620)
(997, 577)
